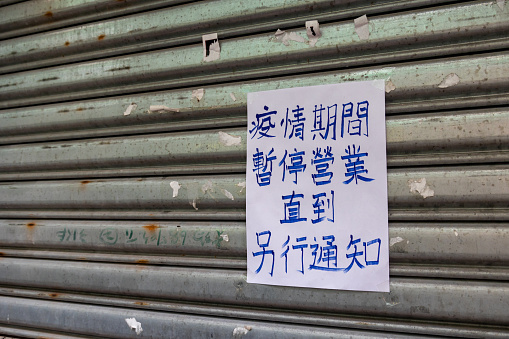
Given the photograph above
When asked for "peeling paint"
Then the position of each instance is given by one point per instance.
(130, 108)
(242, 186)
(285, 38)
(134, 325)
(175, 186)
(227, 194)
(394, 241)
(451, 79)
(390, 304)
(362, 27)
(162, 109)
(198, 94)
(229, 140)
(456, 233)
(206, 187)
(238, 332)
(420, 187)
(225, 237)
(501, 4)
(194, 204)
(389, 86)
(233, 96)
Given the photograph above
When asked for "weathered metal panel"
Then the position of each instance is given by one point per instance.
(149, 31)
(246, 58)
(482, 83)
(35, 16)
(432, 139)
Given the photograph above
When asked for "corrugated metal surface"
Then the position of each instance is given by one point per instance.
(92, 233)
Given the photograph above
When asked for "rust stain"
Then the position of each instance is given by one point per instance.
(63, 111)
(120, 69)
(141, 303)
(142, 261)
(2, 254)
(100, 37)
(82, 259)
(151, 228)
(139, 179)
(67, 43)
(48, 14)
(48, 79)
(54, 295)
(79, 109)
(84, 182)
(31, 224)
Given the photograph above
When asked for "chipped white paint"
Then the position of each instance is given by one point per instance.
(175, 186)
(451, 79)
(227, 194)
(214, 50)
(390, 304)
(240, 331)
(134, 325)
(225, 237)
(198, 94)
(313, 32)
(419, 186)
(501, 4)
(456, 233)
(229, 140)
(394, 241)
(130, 108)
(162, 108)
(206, 187)
(194, 204)
(362, 27)
(285, 38)
(389, 86)
(242, 186)
(233, 96)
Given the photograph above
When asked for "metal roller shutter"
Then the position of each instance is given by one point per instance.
(111, 210)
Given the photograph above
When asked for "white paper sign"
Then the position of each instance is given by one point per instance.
(317, 187)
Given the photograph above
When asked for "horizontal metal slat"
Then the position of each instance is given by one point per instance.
(301, 318)
(30, 17)
(223, 197)
(441, 244)
(254, 57)
(110, 322)
(432, 139)
(153, 30)
(425, 299)
(482, 83)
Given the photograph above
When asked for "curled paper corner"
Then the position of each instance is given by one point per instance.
(198, 94)
(211, 48)
(162, 109)
(242, 186)
(134, 325)
(130, 108)
(362, 27)
(233, 96)
(225, 237)
(239, 331)
(313, 32)
(389, 86)
(394, 241)
(420, 187)
(175, 186)
(451, 79)
(227, 194)
(501, 4)
(229, 140)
